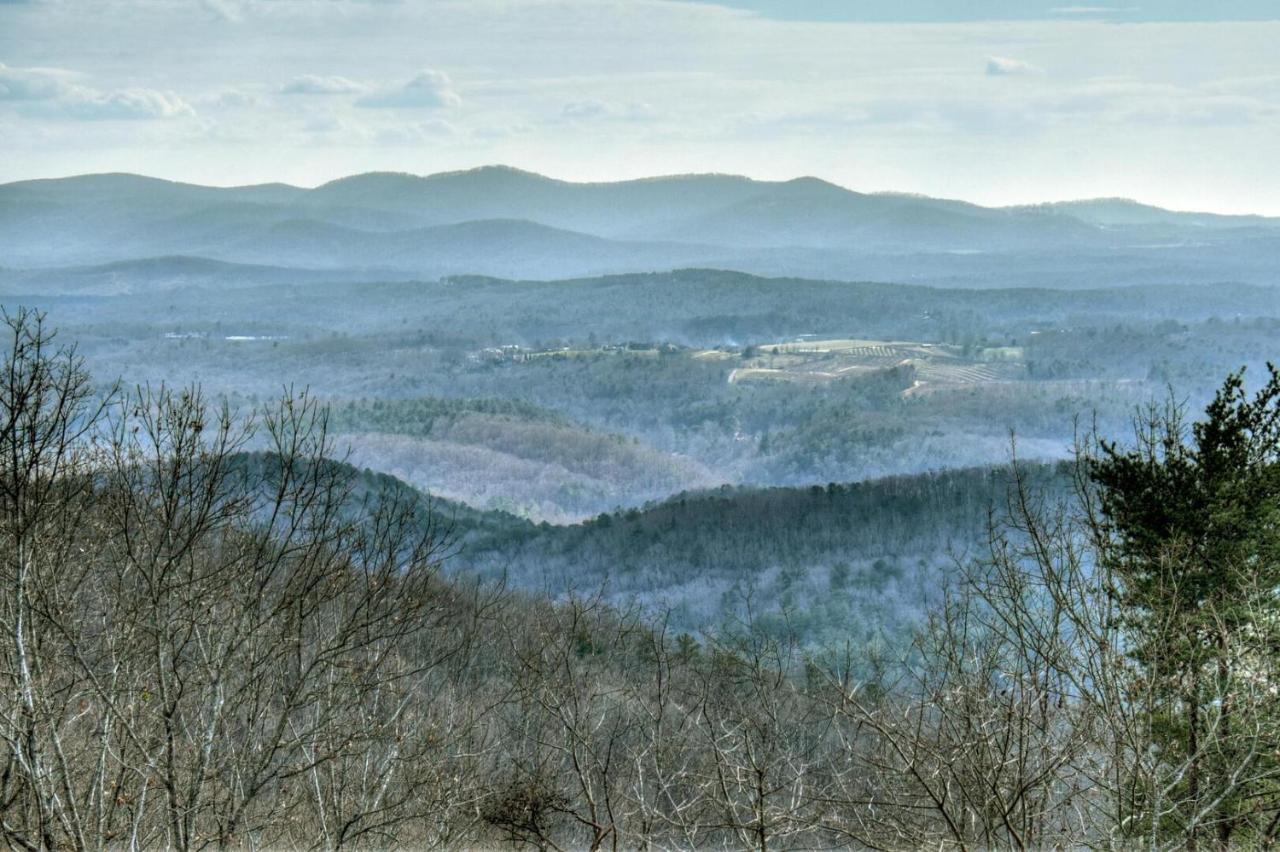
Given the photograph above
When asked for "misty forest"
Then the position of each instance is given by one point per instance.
(482, 509)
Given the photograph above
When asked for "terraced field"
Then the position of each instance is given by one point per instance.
(961, 373)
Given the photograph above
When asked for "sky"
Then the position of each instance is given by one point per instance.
(995, 101)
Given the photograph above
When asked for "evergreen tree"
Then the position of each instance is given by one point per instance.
(1190, 532)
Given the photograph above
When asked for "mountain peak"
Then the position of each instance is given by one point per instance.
(501, 170)
(365, 178)
(816, 187)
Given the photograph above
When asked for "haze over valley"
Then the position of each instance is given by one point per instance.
(655, 424)
(543, 350)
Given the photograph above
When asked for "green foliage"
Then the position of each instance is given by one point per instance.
(834, 557)
(1191, 534)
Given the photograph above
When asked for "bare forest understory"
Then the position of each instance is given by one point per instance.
(207, 646)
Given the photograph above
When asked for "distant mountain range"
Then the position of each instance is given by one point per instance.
(505, 222)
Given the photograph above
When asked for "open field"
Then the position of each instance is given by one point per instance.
(810, 362)
(933, 364)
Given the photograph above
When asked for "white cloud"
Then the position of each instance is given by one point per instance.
(53, 92)
(233, 98)
(1002, 66)
(585, 109)
(427, 89)
(314, 84)
(125, 104)
(32, 84)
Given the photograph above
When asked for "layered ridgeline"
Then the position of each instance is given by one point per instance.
(505, 222)
(825, 564)
(562, 400)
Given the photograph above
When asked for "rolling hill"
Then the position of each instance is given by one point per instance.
(500, 247)
(160, 274)
(857, 561)
(1125, 211)
(506, 222)
(513, 456)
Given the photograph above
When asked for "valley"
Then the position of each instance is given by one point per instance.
(560, 408)
(601, 425)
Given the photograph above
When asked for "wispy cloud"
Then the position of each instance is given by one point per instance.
(434, 130)
(32, 84)
(125, 104)
(592, 108)
(1003, 66)
(585, 109)
(233, 99)
(313, 84)
(427, 89)
(57, 93)
(223, 9)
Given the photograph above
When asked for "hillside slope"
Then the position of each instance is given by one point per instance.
(860, 560)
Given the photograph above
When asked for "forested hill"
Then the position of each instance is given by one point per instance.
(851, 561)
(846, 560)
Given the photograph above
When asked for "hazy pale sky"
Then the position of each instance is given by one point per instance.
(997, 101)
